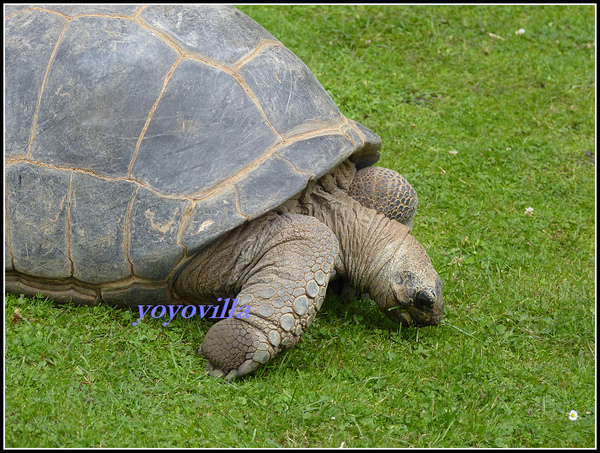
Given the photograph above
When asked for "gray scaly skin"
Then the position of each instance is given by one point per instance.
(387, 192)
(280, 265)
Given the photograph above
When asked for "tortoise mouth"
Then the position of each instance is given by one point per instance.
(411, 317)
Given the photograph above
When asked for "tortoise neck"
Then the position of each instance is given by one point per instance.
(368, 240)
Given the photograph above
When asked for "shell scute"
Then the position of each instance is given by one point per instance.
(101, 85)
(98, 217)
(39, 206)
(205, 129)
(25, 66)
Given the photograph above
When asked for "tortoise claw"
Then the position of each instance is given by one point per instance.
(233, 349)
(246, 368)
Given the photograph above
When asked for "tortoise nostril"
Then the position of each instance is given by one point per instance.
(424, 301)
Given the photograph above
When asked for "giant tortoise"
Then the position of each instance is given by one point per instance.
(180, 155)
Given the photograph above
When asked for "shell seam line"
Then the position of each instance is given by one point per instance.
(128, 231)
(140, 10)
(262, 45)
(151, 114)
(236, 198)
(36, 8)
(18, 13)
(266, 155)
(48, 67)
(347, 123)
(77, 16)
(185, 217)
(161, 34)
(69, 224)
(246, 88)
(300, 172)
(96, 175)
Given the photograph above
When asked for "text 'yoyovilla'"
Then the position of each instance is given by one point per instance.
(190, 310)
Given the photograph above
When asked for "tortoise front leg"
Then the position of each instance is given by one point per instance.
(284, 291)
(387, 192)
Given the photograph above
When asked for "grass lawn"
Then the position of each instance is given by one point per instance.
(489, 111)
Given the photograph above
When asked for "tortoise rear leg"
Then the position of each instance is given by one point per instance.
(284, 291)
(387, 192)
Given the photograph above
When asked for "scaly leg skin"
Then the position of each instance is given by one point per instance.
(387, 192)
(284, 290)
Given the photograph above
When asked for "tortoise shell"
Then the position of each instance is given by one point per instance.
(135, 136)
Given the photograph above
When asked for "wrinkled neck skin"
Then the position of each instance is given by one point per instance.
(368, 240)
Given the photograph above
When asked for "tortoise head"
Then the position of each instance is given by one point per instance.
(408, 290)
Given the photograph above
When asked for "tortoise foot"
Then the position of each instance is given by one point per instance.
(235, 348)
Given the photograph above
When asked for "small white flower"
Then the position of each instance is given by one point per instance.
(453, 152)
(333, 418)
(520, 31)
(573, 415)
(529, 211)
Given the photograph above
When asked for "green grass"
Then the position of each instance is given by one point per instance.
(516, 350)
